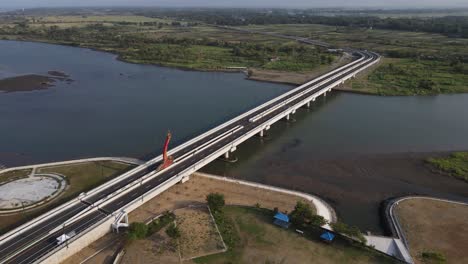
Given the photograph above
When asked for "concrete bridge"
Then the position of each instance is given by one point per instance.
(91, 215)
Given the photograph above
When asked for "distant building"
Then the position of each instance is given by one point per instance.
(281, 220)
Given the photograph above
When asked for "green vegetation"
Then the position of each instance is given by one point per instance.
(303, 215)
(415, 63)
(139, 230)
(161, 222)
(173, 231)
(353, 231)
(80, 177)
(431, 257)
(166, 42)
(84, 176)
(215, 201)
(448, 25)
(456, 164)
(225, 224)
(14, 174)
(258, 241)
(414, 77)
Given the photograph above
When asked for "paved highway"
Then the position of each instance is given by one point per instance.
(41, 239)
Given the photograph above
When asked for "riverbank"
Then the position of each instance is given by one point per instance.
(247, 205)
(434, 229)
(354, 185)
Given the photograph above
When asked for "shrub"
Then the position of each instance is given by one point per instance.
(433, 257)
(173, 231)
(226, 228)
(137, 230)
(161, 222)
(302, 214)
(215, 201)
(353, 231)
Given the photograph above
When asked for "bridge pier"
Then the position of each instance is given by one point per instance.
(261, 133)
(120, 221)
(287, 117)
(308, 104)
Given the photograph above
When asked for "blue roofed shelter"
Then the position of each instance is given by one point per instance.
(327, 236)
(281, 220)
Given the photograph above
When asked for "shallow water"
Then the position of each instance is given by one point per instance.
(356, 150)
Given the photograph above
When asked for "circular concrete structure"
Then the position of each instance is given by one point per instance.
(28, 192)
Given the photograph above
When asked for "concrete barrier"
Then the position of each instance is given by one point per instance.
(322, 207)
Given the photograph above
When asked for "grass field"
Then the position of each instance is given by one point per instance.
(421, 63)
(81, 177)
(435, 228)
(455, 165)
(6, 176)
(262, 242)
(84, 176)
(382, 41)
(411, 77)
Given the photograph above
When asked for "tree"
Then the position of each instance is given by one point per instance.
(215, 201)
(302, 214)
(173, 231)
(318, 220)
(353, 231)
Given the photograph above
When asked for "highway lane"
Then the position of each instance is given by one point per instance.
(170, 172)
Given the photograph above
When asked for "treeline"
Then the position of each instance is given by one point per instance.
(456, 26)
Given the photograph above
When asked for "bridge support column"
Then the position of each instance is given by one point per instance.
(226, 155)
(308, 104)
(185, 178)
(287, 117)
(121, 220)
(325, 94)
(261, 133)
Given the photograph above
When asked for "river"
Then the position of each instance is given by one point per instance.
(111, 108)
(352, 150)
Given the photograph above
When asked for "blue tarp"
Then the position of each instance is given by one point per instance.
(327, 236)
(281, 223)
(282, 217)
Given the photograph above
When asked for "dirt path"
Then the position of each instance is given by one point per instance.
(198, 187)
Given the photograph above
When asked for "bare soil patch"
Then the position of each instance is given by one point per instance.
(199, 236)
(198, 187)
(435, 226)
(158, 248)
(193, 192)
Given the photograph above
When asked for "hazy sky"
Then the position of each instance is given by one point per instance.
(239, 3)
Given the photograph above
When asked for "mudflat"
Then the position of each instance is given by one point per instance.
(26, 83)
